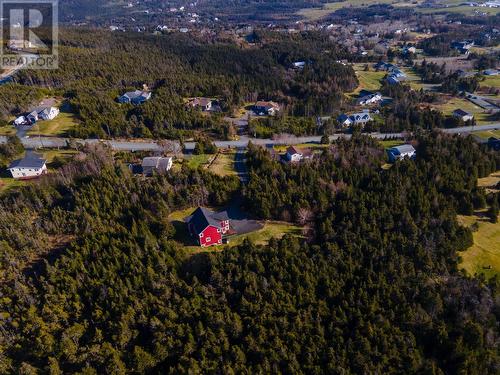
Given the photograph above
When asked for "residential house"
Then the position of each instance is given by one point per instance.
(491, 72)
(382, 65)
(21, 120)
(494, 143)
(463, 115)
(135, 97)
(48, 113)
(208, 227)
(43, 113)
(299, 65)
(360, 118)
(409, 49)
(31, 166)
(368, 98)
(295, 155)
(151, 165)
(401, 152)
(266, 108)
(392, 80)
(205, 104)
(463, 46)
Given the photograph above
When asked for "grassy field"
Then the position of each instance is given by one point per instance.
(314, 14)
(489, 182)
(223, 164)
(391, 143)
(454, 103)
(56, 127)
(7, 184)
(52, 154)
(312, 146)
(368, 80)
(7, 130)
(492, 81)
(488, 133)
(484, 256)
(195, 161)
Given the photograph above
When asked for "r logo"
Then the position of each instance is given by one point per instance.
(29, 34)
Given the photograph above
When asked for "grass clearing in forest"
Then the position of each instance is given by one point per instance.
(270, 229)
(7, 184)
(7, 130)
(453, 103)
(196, 161)
(59, 126)
(484, 256)
(223, 165)
(368, 80)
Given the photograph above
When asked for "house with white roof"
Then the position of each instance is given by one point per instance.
(401, 152)
(156, 164)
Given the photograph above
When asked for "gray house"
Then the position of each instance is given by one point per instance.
(135, 97)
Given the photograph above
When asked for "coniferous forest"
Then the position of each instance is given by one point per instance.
(93, 281)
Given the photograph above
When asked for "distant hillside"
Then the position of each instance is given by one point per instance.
(81, 10)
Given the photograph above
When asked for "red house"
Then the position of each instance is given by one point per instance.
(207, 226)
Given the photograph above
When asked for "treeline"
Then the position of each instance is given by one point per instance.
(97, 66)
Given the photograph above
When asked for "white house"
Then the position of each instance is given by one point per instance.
(295, 155)
(48, 113)
(266, 108)
(44, 113)
(31, 166)
(156, 164)
(360, 118)
(21, 120)
(367, 98)
(205, 104)
(401, 152)
(463, 115)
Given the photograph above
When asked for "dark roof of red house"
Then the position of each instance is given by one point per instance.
(201, 218)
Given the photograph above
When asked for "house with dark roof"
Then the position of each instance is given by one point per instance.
(463, 115)
(30, 167)
(135, 97)
(360, 118)
(494, 143)
(262, 108)
(208, 227)
(401, 152)
(367, 97)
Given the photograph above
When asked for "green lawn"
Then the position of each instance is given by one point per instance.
(454, 103)
(484, 256)
(56, 127)
(488, 133)
(368, 80)
(391, 143)
(195, 161)
(260, 237)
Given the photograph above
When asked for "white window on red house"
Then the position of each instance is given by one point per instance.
(208, 239)
(201, 235)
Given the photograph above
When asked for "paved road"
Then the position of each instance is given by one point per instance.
(240, 165)
(150, 145)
